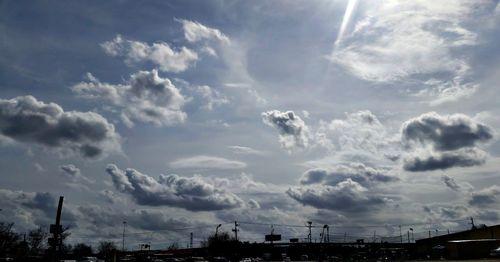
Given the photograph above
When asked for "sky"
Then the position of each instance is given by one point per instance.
(176, 116)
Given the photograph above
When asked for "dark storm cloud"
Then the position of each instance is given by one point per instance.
(292, 129)
(358, 172)
(443, 133)
(141, 219)
(486, 196)
(191, 193)
(25, 119)
(28, 209)
(441, 142)
(347, 195)
(444, 160)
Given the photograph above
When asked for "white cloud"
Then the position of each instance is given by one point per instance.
(292, 130)
(244, 150)
(211, 97)
(207, 162)
(414, 41)
(192, 193)
(195, 32)
(146, 97)
(160, 54)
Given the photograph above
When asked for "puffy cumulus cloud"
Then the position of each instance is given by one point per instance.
(252, 203)
(195, 32)
(70, 169)
(357, 172)
(110, 196)
(27, 209)
(359, 131)
(75, 174)
(419, 41)
(191, 193)
(486, 196)
(442, 142)
(211, 97)
(160, 54)
(291, 128)
(207, 162)
(146, 97)
(348, 196)
(448, 132)
(25, 119)
(428, 161)
(450, 183)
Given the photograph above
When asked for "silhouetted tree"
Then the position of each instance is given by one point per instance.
(106, 249)
(37, 239)
(221, 244)
(173, 246)
(82, 250)
(9, 240)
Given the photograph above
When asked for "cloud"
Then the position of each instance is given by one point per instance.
(358, 131)
(485, 197)
(195, 32)
(243, 150)
(450, 183)
(160, 54)
(207, 162)
(211, 97)
(448, 132)
(346, 195)
(253, 204)
(27, 209)
(70, 169)
(443, 160)
(357, 172)
(191, 193)
(442, 142)
(292, 130)
(74, 173)
(414, 41)
(146, 97)
(25, 119)
(110, 196)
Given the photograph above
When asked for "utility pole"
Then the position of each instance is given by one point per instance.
(235, 230)
(327, 234)
(217, 231)
(400, 234)
(408, 236)
(56, 230)
(123, 236)
(191, 240)
(309, 225)
(472, 222)
(374, 235)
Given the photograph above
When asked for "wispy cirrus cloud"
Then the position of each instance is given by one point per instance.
(207, 162)
(415, 41)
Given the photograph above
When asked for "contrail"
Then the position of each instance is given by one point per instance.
(351, 5)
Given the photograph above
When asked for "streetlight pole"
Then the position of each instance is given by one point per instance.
(217, 231)
(123, 236)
